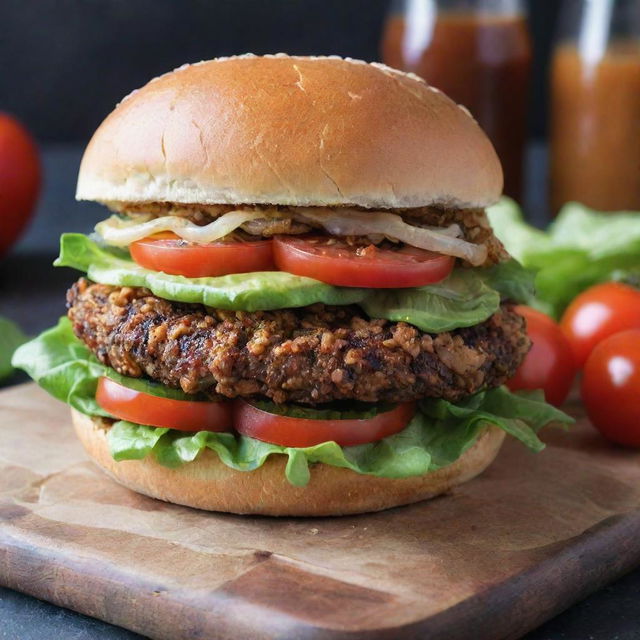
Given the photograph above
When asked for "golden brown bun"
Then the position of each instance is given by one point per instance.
(290, 131)
(206, 483)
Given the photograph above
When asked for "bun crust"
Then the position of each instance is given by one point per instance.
(292, 131)
(206, 483)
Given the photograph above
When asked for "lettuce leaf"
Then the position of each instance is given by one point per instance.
(11, 337)
(467, 297)
(512, 281)
(462, 300)
(439, 433)
(580, 248)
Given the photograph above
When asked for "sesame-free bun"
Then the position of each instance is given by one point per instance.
(206, 483)
(292, 131)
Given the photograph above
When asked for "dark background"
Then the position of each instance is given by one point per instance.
(65, 63)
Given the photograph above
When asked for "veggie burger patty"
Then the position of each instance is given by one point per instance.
(310, 355)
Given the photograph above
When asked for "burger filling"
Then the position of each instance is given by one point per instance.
(312, 355)
(372, 340)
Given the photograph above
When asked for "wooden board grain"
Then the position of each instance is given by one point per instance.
(493, 559)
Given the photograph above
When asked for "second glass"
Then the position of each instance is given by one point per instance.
(479, 53)
(595, 106)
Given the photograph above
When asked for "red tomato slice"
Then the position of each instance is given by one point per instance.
(168, 253)
(549, 365)
(334, 262)
(303, 432)
(611, 388)
(143, 408)
(598, 313)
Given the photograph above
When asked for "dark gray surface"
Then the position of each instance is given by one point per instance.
(26, 618)
(67, 62)
(32, 293)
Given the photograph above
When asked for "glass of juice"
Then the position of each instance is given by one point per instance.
(479, 53)
(595, 105)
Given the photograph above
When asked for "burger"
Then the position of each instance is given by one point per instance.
(297, 305)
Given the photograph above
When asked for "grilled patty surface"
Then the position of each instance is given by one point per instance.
(310, 355)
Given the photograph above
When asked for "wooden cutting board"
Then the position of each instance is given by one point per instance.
(493, 559)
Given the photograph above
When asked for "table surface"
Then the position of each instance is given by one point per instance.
(32, 293)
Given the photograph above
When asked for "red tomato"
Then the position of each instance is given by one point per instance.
(337, 263)
(303, 432)
(19, 180)
(598, 313)
(611, 388)
(166, 252)
(143, 408)
(549, 365)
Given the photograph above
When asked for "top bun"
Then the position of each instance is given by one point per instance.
(292, 131)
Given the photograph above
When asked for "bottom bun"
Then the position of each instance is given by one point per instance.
(206, 483)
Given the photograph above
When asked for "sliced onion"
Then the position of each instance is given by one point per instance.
(353, 222)
(120, 233)
(340, 222)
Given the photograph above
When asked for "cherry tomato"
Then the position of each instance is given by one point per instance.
(19, 180)
(549, 365)
(598, 313)
(335, 262)
(168, 253)
(611, 388)
(303, 432)
(143, 408)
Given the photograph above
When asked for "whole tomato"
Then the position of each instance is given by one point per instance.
(19, 180)
(611, 388)
(598, 313)
(549, 365)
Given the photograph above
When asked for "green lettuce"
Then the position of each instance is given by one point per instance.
(439, 433)
(11, 337)
(462, 300)
(437, 436)
(467, 297)
(580, 248)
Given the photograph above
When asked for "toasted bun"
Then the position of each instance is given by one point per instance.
(206, 483)
(292, 131)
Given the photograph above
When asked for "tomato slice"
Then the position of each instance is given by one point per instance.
(143, 408)
(168, 253)
(335, 262)
(304, 432)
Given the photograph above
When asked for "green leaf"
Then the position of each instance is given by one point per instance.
(581, 248)
(436, 437)
(465, 298)
(133, 441)
(512, 281)
(11, 337)
(598, 234)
